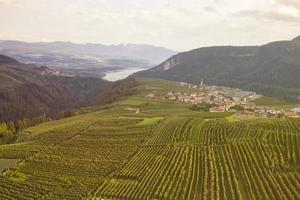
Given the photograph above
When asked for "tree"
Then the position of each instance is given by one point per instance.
(237, 108)
(11, 126)
(204, 107)
(5, 134)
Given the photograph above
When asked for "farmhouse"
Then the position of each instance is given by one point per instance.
(150, 95)
(240, 95)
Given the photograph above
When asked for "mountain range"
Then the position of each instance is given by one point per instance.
(90, 59)
(272, 69)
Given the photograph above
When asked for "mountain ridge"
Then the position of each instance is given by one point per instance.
(272, 69)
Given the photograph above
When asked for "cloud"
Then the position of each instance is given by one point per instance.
(178, 24)
(281, 10)
(11, 3)
(210, 9)
(293, 3)
(219, 1)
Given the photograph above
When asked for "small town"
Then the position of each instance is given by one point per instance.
(223, 99)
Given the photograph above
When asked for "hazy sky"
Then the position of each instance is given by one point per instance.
(177, 24)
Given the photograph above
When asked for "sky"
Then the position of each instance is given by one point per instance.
(177, 24)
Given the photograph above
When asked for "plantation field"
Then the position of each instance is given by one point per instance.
(149, 121)
(165, 151)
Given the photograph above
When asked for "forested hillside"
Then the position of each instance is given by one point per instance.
(27, 91)
(272, 69)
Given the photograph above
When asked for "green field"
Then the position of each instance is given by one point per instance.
(149, 121)
(161, 85)
(165, 151)
(268, 101)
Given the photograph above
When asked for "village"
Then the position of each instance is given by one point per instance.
(223, 99)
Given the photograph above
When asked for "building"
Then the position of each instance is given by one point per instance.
(239, 95)
(297, 110)
(218, 109)
(194, 94)
(291, 114)
(150, 95)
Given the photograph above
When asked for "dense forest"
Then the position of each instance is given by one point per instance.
(31, 94)
(272, 69)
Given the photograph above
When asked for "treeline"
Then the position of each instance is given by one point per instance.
(8, 129)
(118, 89)
(202, 107)
(31, 100)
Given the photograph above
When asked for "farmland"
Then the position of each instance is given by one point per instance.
(164, 151)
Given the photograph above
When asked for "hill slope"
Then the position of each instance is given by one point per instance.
(27, 91)
(272, 69)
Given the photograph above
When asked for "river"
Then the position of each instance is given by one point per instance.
(121, 74)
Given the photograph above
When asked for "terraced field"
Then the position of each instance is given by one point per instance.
(165, 151)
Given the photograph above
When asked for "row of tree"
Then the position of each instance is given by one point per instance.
(9, 129)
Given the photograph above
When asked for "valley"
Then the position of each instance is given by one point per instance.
(144, 148)
(150, 100)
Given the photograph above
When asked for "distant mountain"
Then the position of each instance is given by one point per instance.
(272, 69)
(147, 54)
(27, 91)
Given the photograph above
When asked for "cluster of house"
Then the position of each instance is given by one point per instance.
(264, 111)
(54, 72)
(222, 99)
(294, 113)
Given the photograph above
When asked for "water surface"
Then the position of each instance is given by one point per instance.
(121, 74)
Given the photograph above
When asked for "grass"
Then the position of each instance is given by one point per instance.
(136, 101)
(18, 177)
(231, 119)
(161, 85)
(149, 121)
(268, 101)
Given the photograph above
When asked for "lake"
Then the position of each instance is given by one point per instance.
(121, 74)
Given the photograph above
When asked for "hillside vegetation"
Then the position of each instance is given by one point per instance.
(272, 69)
(165, 151)
(27, 91)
